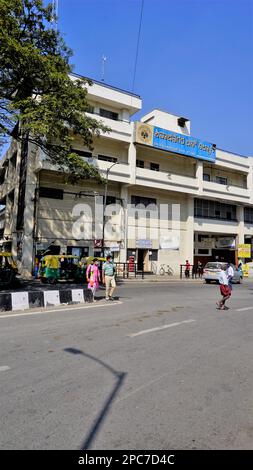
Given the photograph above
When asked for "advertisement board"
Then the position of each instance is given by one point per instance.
(173, 142)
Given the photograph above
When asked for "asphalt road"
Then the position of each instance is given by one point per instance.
(160, 369)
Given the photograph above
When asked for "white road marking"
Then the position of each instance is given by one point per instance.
(3, 368)
(243, 309)
(159, 328)
(67, 308)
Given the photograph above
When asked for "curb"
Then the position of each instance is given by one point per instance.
(160, 280)
(34, 299)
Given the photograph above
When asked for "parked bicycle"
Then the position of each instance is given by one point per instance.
(163, 270)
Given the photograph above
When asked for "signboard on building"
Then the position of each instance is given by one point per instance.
(170, 242)
(114, 248)
(207, 243)
(224, 242)
(143, 243)
(244, 251)
(173, 142)
(98, 243)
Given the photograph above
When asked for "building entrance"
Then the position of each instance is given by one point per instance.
(215, 247)
(142, 259)
(224, 255)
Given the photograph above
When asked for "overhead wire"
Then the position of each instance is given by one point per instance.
(137, 46)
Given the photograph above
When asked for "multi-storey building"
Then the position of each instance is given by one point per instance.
(197, 200)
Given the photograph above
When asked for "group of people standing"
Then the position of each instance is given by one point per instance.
(93, 277)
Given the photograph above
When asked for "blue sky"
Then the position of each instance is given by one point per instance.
(195, 58)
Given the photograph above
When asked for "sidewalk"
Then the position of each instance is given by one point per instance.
(33, 294)
(155, 278)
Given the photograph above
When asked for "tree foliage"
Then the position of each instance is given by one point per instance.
(39, 100)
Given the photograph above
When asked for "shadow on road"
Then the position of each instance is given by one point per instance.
(120, 377)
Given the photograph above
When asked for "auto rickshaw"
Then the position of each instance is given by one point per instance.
(8, 269)
(89, 259)
(57, 268)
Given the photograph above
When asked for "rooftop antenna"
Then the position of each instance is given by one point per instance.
(104, 59)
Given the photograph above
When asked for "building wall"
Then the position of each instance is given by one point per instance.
(178, 181)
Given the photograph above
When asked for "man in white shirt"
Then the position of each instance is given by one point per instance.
(224, 289)
(230, 275)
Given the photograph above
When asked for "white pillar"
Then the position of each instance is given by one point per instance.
(250, 182)
(124, 197)
(188, 248)
(132, 157)
(199, 175)
(240, 218)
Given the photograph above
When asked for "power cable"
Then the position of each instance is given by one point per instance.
(137, 47)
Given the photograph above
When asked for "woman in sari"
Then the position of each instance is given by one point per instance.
(93, 277)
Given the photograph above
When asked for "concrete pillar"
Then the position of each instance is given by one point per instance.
(28, 252)
(124, 197)
(188, 245)
(240, 218)
(132, 157)
(125, 115)
(250, 181)
(199, 175)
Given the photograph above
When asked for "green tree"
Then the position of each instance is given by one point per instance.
(39, 100)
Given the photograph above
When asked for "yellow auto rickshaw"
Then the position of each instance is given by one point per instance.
(57, 268)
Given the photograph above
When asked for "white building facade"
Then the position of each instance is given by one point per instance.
(171, 197)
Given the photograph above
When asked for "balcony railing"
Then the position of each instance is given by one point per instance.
(167, 178)
(229, 189)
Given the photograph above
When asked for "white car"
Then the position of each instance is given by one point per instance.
(212, 270)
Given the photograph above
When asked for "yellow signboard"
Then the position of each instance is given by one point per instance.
(244, 251)
(245, 270)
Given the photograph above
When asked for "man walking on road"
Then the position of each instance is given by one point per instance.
(108, 277)
(230, 275)
(224, 289)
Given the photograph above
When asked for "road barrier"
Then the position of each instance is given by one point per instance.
(37, 299)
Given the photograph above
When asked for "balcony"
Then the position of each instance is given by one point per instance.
(120, 130)
(166, 180)
(120, 171)
(229, 192)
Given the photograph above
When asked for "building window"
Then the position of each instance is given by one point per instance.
(203, 251)
(145, 201)
(81, 251)
(108, 114)
(154, 166)
(106, 158)
(206, 209)
(90, 109)
(110, 200)
(140, 163)
(221, 180)
(82, 153)
(154, 255)
(206, 177)
(51, 193)
(248, 215)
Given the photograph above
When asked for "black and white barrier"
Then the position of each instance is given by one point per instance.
(35, 299)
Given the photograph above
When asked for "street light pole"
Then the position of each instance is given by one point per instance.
(104, 205)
